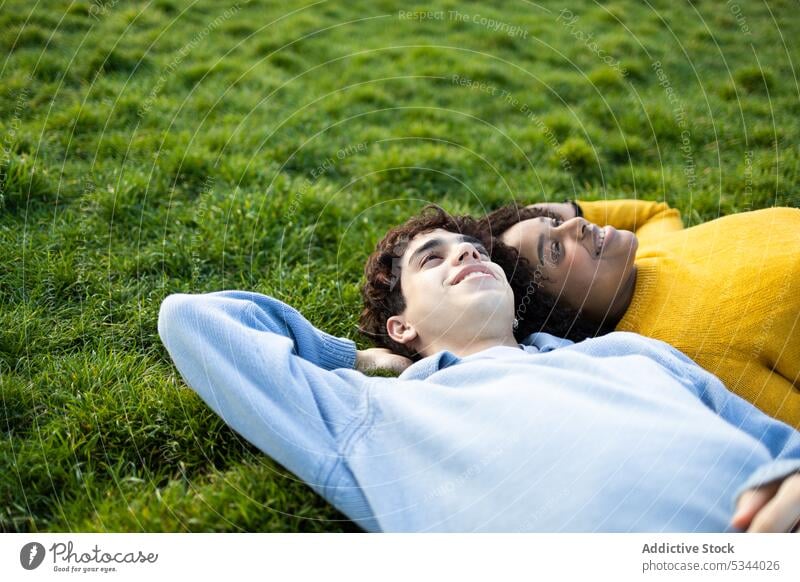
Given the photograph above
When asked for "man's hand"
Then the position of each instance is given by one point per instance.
(564, 210)
(774, 507)
(380, 359)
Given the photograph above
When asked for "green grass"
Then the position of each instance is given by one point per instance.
(164, 146)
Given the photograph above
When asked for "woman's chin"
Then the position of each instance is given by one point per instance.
(634, 241)
(625, 242)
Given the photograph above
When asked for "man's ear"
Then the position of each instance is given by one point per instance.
(399, 330)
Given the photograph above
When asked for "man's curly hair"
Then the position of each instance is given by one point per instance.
(383, 297)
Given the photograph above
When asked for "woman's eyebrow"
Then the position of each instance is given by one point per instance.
(540, 247)
(540, 243)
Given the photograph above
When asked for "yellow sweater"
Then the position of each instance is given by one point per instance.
(726, 293)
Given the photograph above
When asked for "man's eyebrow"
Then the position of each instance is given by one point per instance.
(432, 243)
(435, 242)
(471, 239)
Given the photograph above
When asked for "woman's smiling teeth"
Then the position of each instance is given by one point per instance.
(601, 239)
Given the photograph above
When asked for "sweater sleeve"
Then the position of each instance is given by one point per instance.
(285, 386)
(639, 216)
(765, 388)
(781, 440)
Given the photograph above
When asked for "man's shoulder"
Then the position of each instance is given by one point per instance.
(620, 343)
(626, 343)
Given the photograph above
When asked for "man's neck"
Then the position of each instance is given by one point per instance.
(463, 349)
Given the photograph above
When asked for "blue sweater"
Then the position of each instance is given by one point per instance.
(618, 433)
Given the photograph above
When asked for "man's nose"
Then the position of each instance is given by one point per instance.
(466, 252)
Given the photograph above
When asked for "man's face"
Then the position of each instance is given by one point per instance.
(451, 289)
(578, 262)
(450, 286)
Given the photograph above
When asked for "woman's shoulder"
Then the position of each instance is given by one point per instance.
(775, 213)
(771, 221)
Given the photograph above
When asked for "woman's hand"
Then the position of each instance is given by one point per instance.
(774, 507)
(380, 359)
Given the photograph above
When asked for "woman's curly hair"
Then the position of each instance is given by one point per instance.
(500, 220)
(535, 310)
(383, 297)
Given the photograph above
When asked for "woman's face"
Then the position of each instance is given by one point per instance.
(584, 266)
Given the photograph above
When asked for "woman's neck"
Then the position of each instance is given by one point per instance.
(622, 299)
(610, 313)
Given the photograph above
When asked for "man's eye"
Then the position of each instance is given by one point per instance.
(557, 222)
(483, 252)
(429, 257)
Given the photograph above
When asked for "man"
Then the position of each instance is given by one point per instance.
(482, 432)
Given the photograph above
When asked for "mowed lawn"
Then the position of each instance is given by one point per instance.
(152, 147)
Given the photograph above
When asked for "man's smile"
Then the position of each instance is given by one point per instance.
(472, 271)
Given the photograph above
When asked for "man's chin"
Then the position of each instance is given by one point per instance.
(487, 299)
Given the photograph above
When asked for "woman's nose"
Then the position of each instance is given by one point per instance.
(576, 227)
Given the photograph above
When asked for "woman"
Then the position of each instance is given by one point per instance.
(726, 293)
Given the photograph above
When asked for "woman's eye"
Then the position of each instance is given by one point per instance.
(557, 222)
(555, 251)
